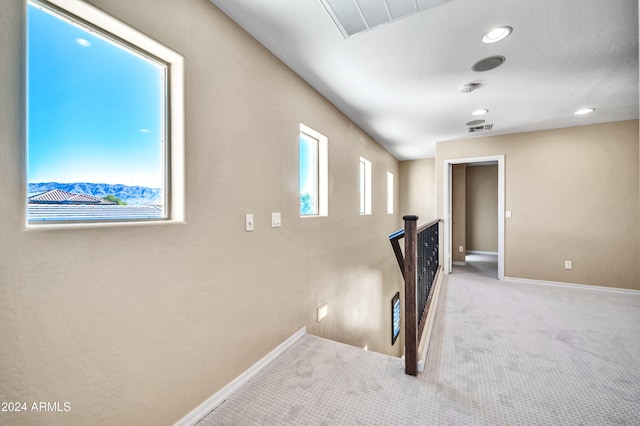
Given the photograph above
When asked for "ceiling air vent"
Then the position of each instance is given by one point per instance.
(355, 16)
(477, 129)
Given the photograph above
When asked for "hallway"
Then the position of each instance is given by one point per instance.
(502, 353)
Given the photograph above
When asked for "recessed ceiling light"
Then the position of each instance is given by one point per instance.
(480, 112)
(584, 111)
(497, 34)
(474, 122)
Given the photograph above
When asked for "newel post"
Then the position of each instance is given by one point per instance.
(410, 308)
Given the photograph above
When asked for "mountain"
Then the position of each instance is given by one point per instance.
(133, 195)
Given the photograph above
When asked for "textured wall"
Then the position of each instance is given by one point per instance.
(573, 193)
(139, 325)
(482, 208)
(418, 189)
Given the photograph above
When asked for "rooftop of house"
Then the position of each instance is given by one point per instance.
(58, 196)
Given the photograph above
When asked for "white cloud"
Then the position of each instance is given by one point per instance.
(83, 42)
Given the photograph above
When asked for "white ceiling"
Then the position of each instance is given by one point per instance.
(400, 82)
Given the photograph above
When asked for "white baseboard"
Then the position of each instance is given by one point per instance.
(571, 285)
(456, 263)
(219, 397)
(492, 253)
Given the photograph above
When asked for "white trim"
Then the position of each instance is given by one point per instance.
(571, 285)
(390, 196)
(446, 200)
(365, 198)
(456, 263)
(175, 167)
(219, 397)
(491, 253)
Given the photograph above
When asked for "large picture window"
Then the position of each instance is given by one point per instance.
(104, 120)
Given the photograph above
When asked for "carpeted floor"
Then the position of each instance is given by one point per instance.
(480, 264)
(503, 354)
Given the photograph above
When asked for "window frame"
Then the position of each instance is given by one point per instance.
(365, 186)
(390, 193)
(313, 167)
(321, 178)
(85, 15)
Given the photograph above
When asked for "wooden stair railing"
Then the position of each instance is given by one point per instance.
(420, 268)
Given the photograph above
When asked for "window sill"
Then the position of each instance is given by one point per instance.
(90, 225)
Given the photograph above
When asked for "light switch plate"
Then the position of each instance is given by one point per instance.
(508, 214)
(248, 223)
(276, 220)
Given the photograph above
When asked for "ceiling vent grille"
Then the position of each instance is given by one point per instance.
(355, 16)
(477, 129)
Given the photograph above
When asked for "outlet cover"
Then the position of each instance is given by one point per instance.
(568, 264)
(461, 249)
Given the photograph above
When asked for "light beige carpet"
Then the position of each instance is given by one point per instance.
(503, 354)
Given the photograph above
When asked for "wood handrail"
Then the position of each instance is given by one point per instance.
(399, 234)
(425, 226)
(395, 238)
(410, 308)
(414, 320)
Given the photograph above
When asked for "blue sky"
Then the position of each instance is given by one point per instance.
(308, 165)
(95, 109)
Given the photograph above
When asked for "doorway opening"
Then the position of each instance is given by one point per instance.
(484, 256)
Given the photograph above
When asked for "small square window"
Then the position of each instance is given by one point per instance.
(104, 120)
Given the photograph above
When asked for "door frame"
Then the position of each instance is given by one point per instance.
(447, 199)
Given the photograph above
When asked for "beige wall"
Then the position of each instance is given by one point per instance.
(458, 212)
(482, 208)
(418, 189)
(139, 325)
(574, 196)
